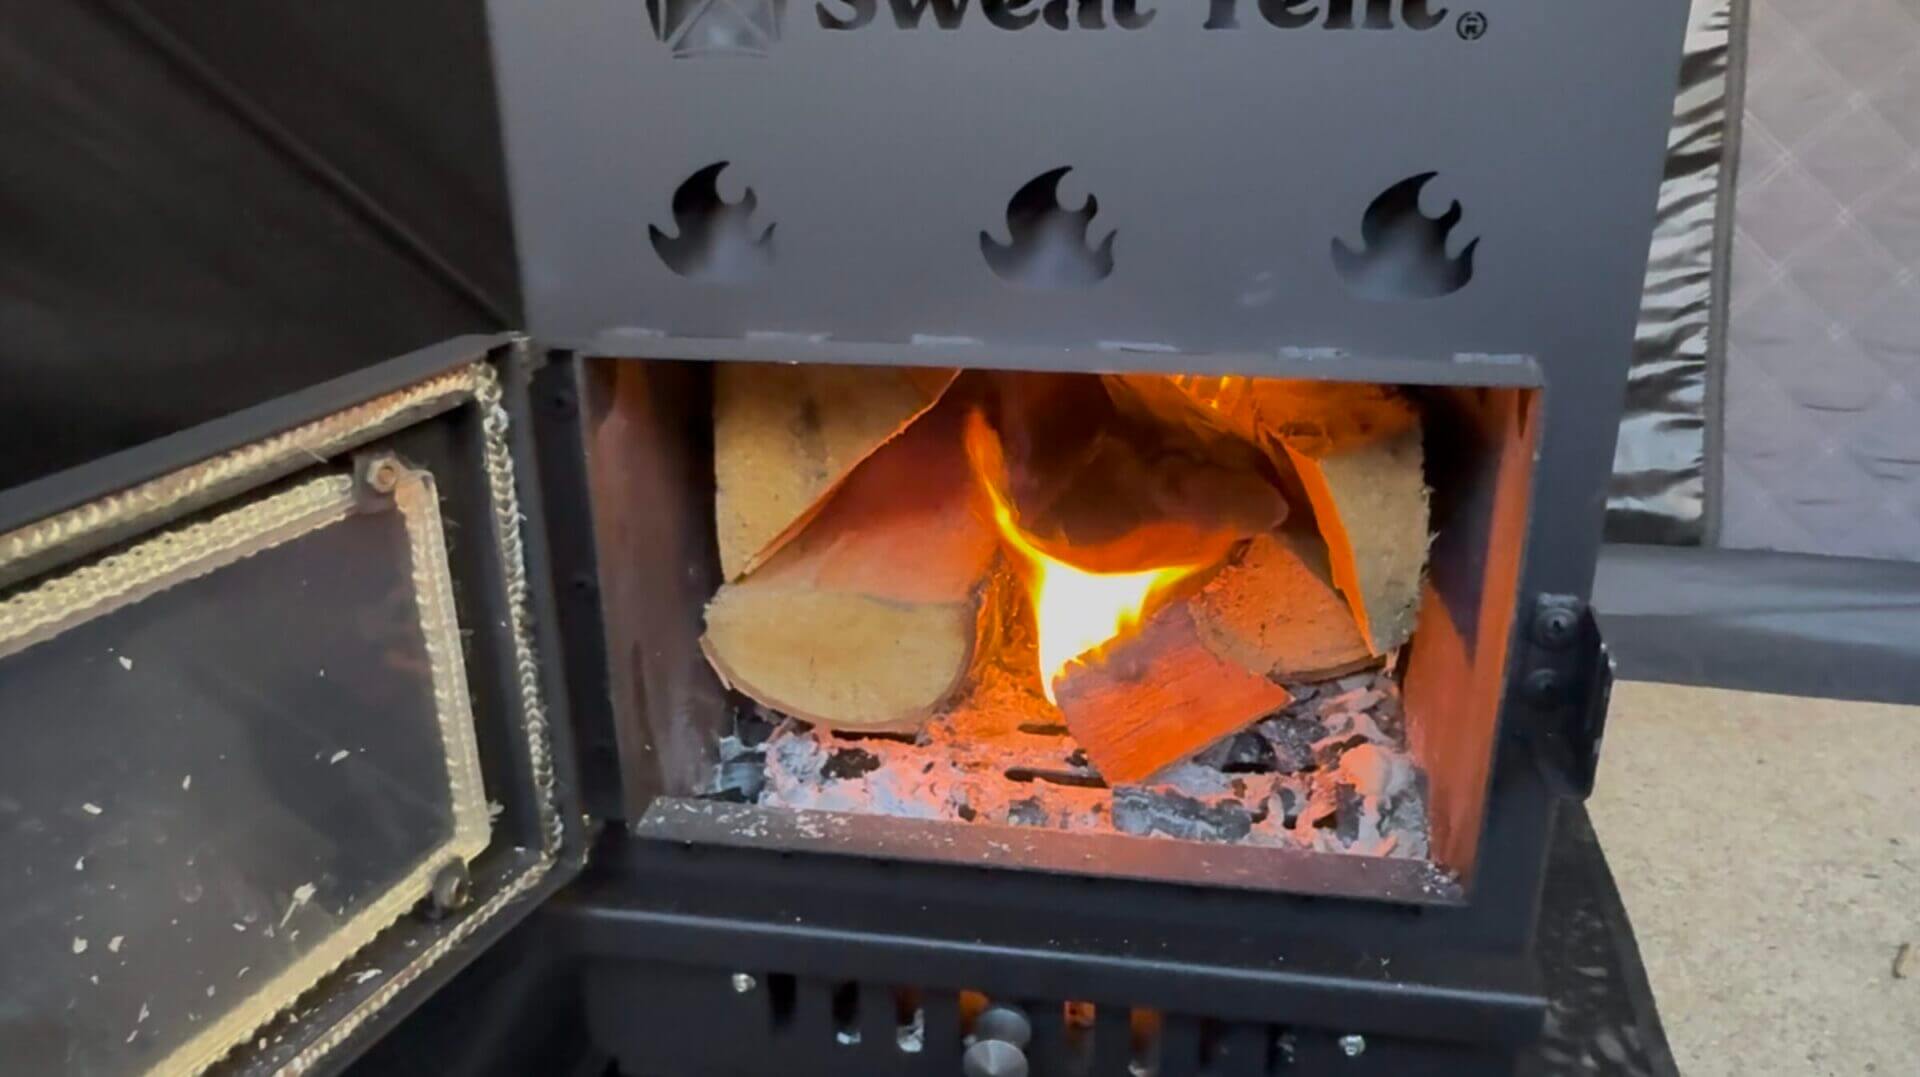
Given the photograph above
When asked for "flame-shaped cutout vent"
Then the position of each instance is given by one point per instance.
(715, 241)
(1047, 243)
(1404, 251)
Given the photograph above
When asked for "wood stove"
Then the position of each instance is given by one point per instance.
(1335, 843)
(1442, 207)
(1024, 537)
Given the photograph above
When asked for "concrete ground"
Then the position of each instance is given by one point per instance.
(1768, 849)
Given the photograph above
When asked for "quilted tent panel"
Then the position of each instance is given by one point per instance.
(1822, 405)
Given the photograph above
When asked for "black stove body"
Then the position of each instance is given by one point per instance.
(518, 533)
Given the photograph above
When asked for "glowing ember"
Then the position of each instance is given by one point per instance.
(1075, 611)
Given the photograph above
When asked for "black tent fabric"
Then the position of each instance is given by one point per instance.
(204, 206)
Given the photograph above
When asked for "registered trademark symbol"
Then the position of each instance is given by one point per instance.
(1471, 26)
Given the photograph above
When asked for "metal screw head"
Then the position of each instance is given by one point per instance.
(1542, 687)
(1004, 1023)
(743, 983)
(1353, 1046)
(994, 1058)
(383, 475)
(1555, 626)
(451, 888)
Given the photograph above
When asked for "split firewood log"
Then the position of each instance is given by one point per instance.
(1274, 611)
(1370, 501)
(1356, 451)
(786, 435)
(1159, 696)
(868, 618)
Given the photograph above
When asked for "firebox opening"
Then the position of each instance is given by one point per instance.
(1211, 629)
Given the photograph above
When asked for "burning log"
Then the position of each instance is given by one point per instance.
(1356, 449)
(867, 619)
(1134, 514)
(1109, 493)
(1330, 415)
(1157, 697)
(785, 436)
(1274, 610)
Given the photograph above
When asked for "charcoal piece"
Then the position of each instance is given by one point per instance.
(1246, 752)
(849, 763)
(1406, 817)
(876, 734)
(733, 747)
(1292, 737)
(1347, 806)
(1214, 756)
(1321, 808)
(1328, 750)
(1354, 682)
(1148, 811)
(753, 725)
(1078, 779)
(967, 812)
(1249, 753)
(1028, 812)
(738, 781)
(1078, 758)
(1291, 800)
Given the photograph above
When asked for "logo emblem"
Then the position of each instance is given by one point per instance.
(717, 27)
(1404, 251)
(1046, 242)
(715, 242)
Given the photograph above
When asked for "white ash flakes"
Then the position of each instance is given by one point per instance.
(1329, 772)
(301, 895)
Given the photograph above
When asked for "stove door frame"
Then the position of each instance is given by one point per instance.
(452, 417)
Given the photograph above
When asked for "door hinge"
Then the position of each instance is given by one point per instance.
(1565, 683)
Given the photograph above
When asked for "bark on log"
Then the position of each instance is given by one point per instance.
(785, 436)
(867, 619)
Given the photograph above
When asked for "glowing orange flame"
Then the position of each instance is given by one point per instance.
(1075, 611)
(1212, 392)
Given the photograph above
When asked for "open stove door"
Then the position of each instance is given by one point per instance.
(281, 748)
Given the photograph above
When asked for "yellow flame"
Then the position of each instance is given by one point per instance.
(1075, 611)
